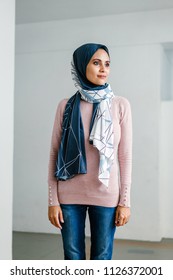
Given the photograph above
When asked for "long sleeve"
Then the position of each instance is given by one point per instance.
(55, 142)
(125, 152)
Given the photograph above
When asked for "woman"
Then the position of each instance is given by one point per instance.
(92, 137)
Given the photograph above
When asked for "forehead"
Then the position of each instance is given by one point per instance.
(100, 54)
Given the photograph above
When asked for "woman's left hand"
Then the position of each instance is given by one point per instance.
(122, 216)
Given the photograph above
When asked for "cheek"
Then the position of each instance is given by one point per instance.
(89, 73)
(107, 72)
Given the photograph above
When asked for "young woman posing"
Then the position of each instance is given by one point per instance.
(91, 158)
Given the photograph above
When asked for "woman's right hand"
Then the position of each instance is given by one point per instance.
(55, 216)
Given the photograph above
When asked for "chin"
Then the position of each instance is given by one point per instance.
(100, 83)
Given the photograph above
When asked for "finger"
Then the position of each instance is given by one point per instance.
(56, 222)
(126, 220)
(61, 217)
(117, 217)
(120, 221)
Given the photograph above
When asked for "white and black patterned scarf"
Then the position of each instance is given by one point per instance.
(71, 156)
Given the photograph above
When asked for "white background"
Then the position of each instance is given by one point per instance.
(7, 28)
(141, 53)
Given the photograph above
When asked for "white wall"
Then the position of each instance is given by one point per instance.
(43, 54)
(166, 160)
(166, 75)
(169, 54)
(166, 137)
(7, 27)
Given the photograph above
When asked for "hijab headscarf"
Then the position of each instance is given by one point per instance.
(81, 58)
(71, 156)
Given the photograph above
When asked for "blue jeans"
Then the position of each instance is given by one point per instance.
(102, 224)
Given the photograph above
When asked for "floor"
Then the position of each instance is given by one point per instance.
(40, 246)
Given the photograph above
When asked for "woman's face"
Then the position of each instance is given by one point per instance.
(98, 68)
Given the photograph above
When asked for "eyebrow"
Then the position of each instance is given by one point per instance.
(100, 59)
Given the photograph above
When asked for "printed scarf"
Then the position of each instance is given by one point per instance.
(71, 156)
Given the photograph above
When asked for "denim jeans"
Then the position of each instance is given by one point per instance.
(102, 225)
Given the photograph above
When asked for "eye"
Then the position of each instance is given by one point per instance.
(107, 64)
(96, 62)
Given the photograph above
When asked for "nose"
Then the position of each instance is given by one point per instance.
(102, 68)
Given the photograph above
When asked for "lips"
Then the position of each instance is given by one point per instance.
(101, 76)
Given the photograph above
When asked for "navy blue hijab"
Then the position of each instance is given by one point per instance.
(81, 58)
(71, 156)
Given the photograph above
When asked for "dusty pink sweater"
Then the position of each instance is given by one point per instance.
(86, 188)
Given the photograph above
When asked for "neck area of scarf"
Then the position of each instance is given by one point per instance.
(71, 156)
